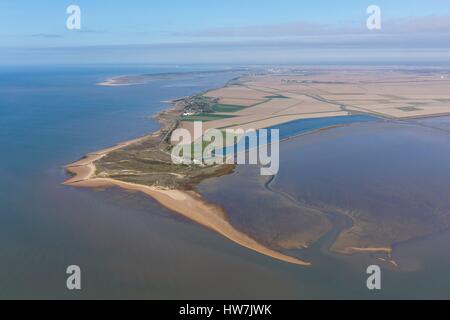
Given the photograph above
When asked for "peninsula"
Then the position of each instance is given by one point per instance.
(262, 100)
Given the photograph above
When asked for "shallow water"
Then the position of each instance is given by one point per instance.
(127, 245)
(130, 247)
(297, 127)
(388, 168)
(292, 129)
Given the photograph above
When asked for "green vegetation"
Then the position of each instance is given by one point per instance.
(205, 117)
(409, 109)
(276, 97)
(226, 108)
(200, 104)
(145, 163)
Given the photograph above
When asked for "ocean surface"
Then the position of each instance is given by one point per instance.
(128, 246)
(290, 130)
(385, 167)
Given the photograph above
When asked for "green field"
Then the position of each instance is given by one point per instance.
(226, 108)
(276, 97)
(206, 117)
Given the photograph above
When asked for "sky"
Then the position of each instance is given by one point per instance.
(231, 31)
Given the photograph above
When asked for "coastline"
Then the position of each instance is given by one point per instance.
(189, 203)
(186, 203)
(117, 81)
(386, 250)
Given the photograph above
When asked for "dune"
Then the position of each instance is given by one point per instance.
(186, 203)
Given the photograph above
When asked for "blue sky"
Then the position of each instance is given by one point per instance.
(240, 31)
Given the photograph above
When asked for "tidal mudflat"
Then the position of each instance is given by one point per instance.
(381, 184)
(129, 246)
(374, 214)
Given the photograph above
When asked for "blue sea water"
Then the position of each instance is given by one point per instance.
(301, 126)
(290, 130)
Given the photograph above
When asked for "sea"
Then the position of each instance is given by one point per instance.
(129, 247)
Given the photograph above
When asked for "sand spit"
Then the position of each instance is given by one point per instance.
(120, 81)
(187, 203)
(84, 169)
(386, 250)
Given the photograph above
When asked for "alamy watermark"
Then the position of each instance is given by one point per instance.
(374, 280)
(73, 281)
(228, 146)
(374, 19)
(73, 21)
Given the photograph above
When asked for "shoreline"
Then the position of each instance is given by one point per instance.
(189, 204)
(186, 203)
(385, 250)
(116, 82)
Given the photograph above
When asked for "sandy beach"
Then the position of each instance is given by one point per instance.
(265, 101)
(186, 203)
(386, 250)
(119, 81)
